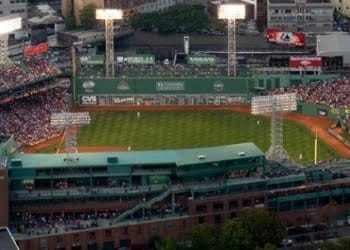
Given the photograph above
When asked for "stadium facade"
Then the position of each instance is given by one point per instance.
(126, 199)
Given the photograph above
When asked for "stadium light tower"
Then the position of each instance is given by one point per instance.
(275, 105)
(109, 15)
(70, 122)
(7, 25)
(231, 12)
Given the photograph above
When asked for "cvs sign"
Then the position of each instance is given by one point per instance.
(89, 100)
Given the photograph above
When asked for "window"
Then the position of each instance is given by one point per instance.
(43, 244)
(76, 239)
(246, 203)
(288, 11)
(218, 206)
(233, 205)
(201, 208)
(169, 227)
(217, 219)
(108, 234)
(92, 236)
(153, 228)
(201, 220)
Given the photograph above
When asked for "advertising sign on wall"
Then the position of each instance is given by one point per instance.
(201, 60)
(170, 86)
(288, 38)
(305, 61)
(41, 48)
(89, 100)
(142, 59)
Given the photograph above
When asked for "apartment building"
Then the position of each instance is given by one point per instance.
(73, 7)
(300, 15)
(131, 7)
(343, 6)
(9, 7)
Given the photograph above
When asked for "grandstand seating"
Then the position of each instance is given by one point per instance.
(32, 69)
(29, 118)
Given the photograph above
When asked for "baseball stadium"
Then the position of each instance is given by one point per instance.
(111, 158)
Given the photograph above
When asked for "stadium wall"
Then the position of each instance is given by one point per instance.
(193, 91)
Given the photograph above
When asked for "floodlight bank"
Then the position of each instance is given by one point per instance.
(109, 14)
(231, 11)
(10, 24)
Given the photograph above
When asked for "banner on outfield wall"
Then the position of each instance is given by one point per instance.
(305, 61)
(201, 60)
(89, 100)
(142, 59)
(170, 86)
(322, 112)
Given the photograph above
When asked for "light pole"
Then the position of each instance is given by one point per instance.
(231, 12)
(7, 25)
(109, 15)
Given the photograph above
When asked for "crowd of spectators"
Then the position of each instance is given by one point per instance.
(29, 118)
(31, 224)
(37, 224)
(30, 70)
(157, 70)
(333, 93)
(171, 71)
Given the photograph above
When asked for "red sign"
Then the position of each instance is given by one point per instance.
(287, 38)
(41, 48)
(305, 61)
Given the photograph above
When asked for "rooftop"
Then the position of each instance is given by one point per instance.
(333, 43)
(44, 14)
(299, 1)
(156, 157)
(6, 240)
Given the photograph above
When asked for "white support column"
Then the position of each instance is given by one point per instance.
(109, 48)
(231, 47)
(4, 59)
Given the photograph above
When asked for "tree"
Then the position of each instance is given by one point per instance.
(69, 21)
(88, 16)
(267, 246)
(344, 243)
(234, 236)
(178, 18)
(264, 226)
(202, 238)
(340, 244)
(167, 244)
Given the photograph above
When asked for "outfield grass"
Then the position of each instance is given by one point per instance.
(167, 130)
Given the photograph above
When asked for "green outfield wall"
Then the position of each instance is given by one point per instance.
(243, 85)
(321, 110)
(195, 91)
(124, 86)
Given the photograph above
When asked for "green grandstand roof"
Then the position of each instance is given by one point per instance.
(214, 154)
(178, 157)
